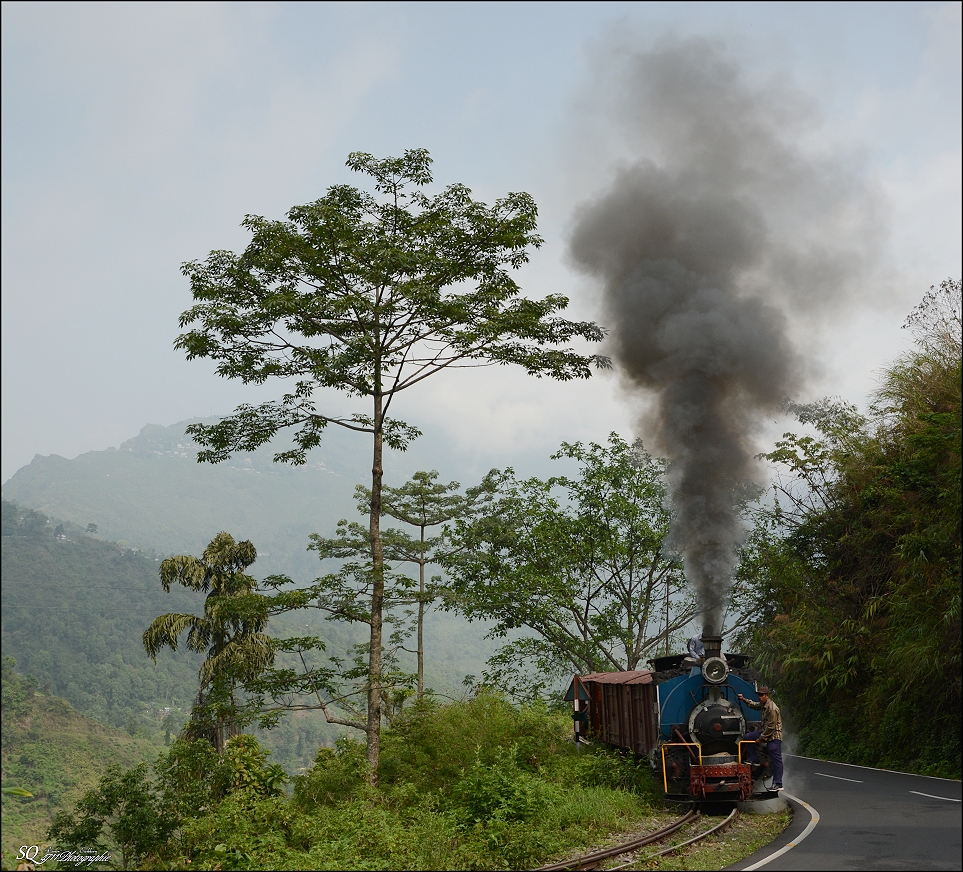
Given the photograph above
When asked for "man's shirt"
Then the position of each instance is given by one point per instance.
(771, 720)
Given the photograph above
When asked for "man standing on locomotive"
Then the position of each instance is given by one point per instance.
(771, 733)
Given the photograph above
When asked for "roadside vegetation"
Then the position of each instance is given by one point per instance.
(855, 566)
(478, 784)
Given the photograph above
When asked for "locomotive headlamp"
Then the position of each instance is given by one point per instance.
(715, 670)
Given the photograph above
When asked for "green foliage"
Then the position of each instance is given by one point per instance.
(192, 776)
(54, 753)
(857, 566)
(478, 784)
(374, 277)
(500, 790)
(239, 682)
(247, 762)
(430, 745)
(137, 820)
(121, 815)
(422, 503)
(338, 774)
(604, 767)
(578, 561)
(473, 785)
(346, 595)
(230, 633)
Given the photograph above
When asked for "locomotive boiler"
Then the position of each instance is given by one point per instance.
(686, 718)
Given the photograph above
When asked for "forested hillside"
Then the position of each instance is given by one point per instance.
(74, 609)
(856, 570)
(55, 753)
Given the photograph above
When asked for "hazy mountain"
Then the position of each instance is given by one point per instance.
(95, 597)
(151, 493)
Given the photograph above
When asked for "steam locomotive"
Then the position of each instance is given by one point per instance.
(686, 718)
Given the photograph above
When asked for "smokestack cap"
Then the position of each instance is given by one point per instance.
(712, 644)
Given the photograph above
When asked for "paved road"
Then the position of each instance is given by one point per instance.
(867, 819)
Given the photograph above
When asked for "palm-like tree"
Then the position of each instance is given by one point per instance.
(230, 632)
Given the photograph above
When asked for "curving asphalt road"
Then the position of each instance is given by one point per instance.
(864, 819)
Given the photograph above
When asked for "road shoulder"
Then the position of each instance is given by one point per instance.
(800, 820)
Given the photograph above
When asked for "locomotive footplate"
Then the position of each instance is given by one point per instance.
(721, 781)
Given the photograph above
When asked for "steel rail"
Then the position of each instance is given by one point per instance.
(589, 861)
(718, 828)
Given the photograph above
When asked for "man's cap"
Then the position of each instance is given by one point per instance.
(763, 690)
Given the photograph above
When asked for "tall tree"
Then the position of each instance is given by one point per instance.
(237, 649)
(369, 294)
(577, 561)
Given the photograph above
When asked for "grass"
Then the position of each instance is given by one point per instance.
(747, 834)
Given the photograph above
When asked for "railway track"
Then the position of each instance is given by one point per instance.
(592, 860)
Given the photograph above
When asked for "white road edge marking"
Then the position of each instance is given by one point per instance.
(930, 796)
(840, 778)
(871, 768)
(809, 828)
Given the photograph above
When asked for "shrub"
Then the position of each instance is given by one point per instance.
(431, 745)
(599, 766)
(337, 775)
(192, 776)
(248, 768)
(501, 790)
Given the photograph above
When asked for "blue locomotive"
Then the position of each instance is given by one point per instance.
(685, 717)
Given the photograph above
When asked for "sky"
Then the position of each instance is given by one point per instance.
(136, 137)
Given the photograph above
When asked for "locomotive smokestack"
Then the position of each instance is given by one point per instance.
(719, 226)
(712, 644)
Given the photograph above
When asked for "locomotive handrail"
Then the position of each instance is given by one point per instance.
(682, 739)
(739, 745)
(665, 777)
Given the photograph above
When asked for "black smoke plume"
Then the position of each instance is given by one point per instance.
(726, 221)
